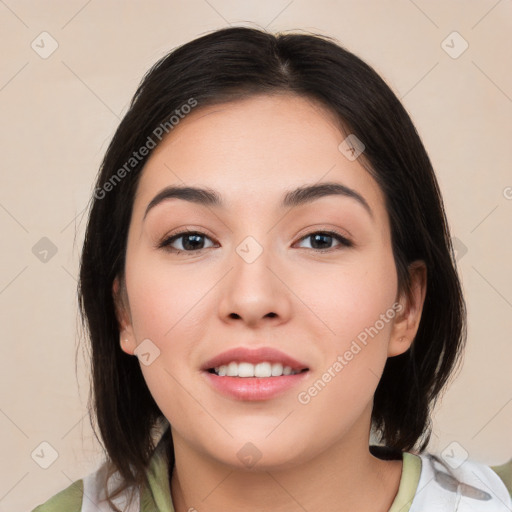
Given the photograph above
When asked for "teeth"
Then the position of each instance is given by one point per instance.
(245, 370)
(277, 369)
(264, 369)
(232, 370)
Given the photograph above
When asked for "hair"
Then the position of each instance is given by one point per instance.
(236, 63)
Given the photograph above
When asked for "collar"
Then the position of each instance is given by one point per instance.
(156, 497)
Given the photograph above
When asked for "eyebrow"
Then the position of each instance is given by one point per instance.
(291, 199)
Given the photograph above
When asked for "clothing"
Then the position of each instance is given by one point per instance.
(427, 484)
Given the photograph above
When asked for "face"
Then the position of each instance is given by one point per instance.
(305, 281)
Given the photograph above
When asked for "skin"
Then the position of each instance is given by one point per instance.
(194, 305)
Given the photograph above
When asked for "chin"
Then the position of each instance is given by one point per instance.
(256, 454)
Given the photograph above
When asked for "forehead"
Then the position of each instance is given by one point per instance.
(253, 150)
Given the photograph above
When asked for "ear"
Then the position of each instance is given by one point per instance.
(408, 316)
(127, 338)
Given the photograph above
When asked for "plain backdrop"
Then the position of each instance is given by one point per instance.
(68, 71)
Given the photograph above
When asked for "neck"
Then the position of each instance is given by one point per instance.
(344, 477)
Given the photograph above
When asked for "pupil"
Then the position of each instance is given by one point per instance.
(194, 244)
(324, 237)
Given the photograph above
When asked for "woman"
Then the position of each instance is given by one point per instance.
(267, 279)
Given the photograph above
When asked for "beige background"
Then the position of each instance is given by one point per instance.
(59, 113)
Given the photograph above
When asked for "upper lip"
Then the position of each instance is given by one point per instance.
(254, 356)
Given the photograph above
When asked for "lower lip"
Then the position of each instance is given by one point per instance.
(254, 388)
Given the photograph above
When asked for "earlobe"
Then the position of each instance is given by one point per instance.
(398, 346)
(407, 321)
(127, 345)
(127, 339)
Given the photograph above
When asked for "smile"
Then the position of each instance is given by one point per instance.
(251, 374)
(259, 370)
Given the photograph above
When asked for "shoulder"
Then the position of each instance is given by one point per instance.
(505, 473)
(448, 484)
(92, 487)
(68, 500)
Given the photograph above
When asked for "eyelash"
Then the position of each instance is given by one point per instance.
(165, 243)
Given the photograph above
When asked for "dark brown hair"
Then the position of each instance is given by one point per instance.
(236, 63)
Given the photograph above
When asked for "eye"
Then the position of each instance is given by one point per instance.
(320, 240)
(188, 241)
(194, 241)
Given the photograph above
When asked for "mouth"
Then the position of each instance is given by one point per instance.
(257, 374)
(259, 362)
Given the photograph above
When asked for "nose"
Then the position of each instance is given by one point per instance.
(254, 292)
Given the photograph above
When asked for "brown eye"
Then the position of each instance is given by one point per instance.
(323, 240)
(187, 241)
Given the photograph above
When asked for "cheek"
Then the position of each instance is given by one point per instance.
(354, 297)
(358, 308)
(357, 305)
(166, 308)
(170, 307)
(164, 299)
